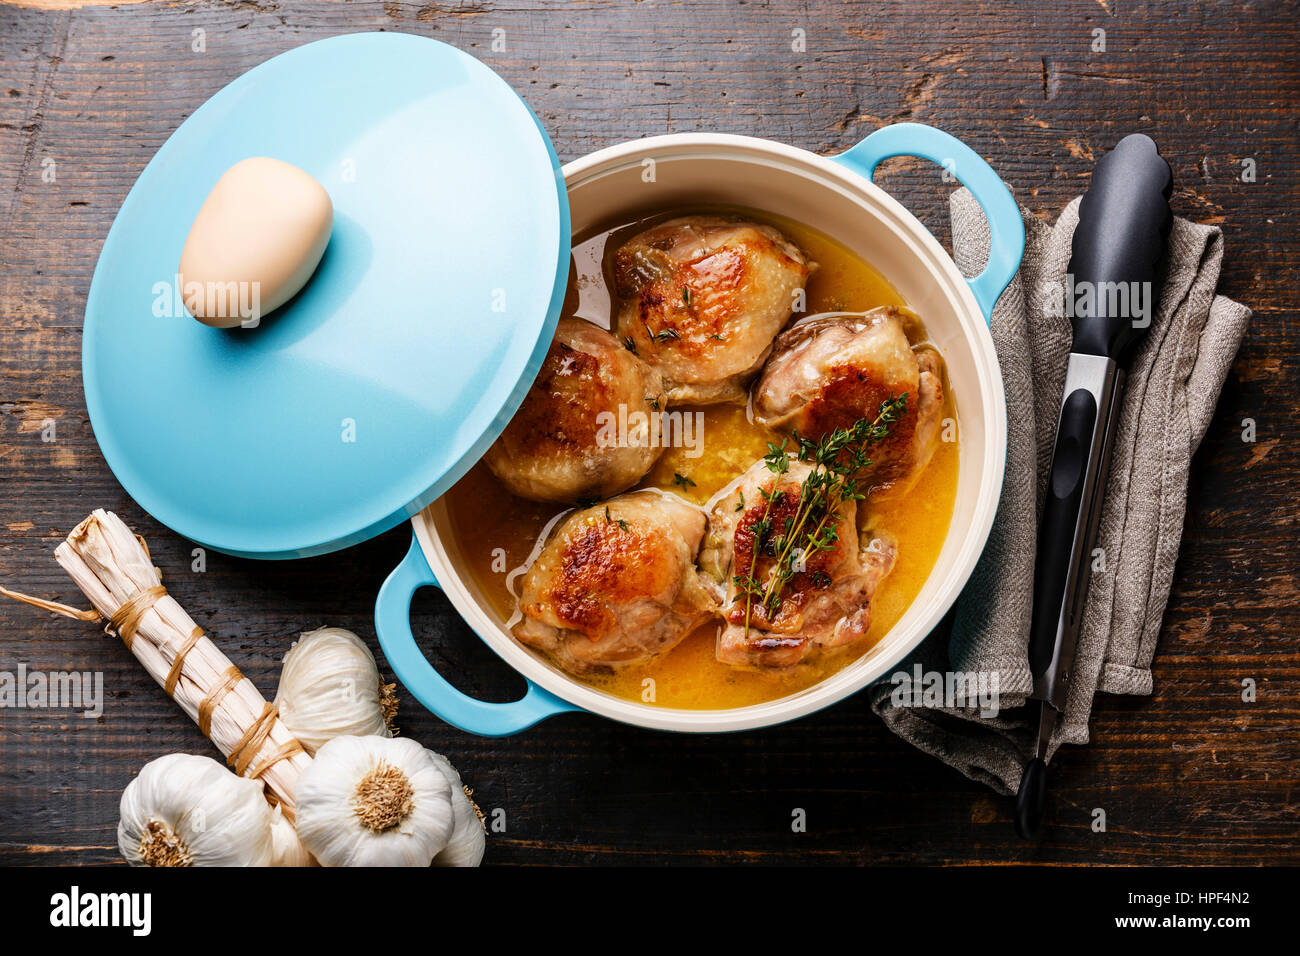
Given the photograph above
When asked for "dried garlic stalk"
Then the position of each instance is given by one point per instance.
(113, 569)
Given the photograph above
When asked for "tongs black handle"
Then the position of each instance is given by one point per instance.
(1110, 295)
(1124, 221)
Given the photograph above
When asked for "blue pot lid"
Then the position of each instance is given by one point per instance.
(368, 395)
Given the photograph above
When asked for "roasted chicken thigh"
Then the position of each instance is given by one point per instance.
(565, 443)
(827, 373)
(701, 299)
(616, 584)
(827, 601)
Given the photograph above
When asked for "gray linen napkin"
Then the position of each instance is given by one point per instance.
(1167, 405)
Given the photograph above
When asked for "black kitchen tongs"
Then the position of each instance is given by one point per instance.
(1110, 296)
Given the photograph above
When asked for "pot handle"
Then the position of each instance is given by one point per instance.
(393, 625)
(1006, 228)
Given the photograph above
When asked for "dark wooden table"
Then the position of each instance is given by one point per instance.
(1190, 775)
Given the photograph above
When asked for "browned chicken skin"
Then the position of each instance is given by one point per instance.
(558, 447)
(616, 584)
(826, 604)
(829, 373)
(702, 298)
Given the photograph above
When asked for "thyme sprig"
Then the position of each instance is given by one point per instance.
(837, 460)
(778, 463)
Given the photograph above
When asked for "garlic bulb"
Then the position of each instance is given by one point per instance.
(468, 837)
(374, 801)
(330, 687)
(185, 810)
(286, 847)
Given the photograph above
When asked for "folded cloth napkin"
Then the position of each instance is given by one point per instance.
(1168, 401)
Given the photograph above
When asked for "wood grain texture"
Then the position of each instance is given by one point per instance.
(1191, 775)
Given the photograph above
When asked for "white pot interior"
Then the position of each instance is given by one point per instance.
(713, 169)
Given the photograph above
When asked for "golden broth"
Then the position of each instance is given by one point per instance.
(497, 531)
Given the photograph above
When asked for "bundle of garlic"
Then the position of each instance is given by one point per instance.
(369, 799)
(113, 569)
(330, 687)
